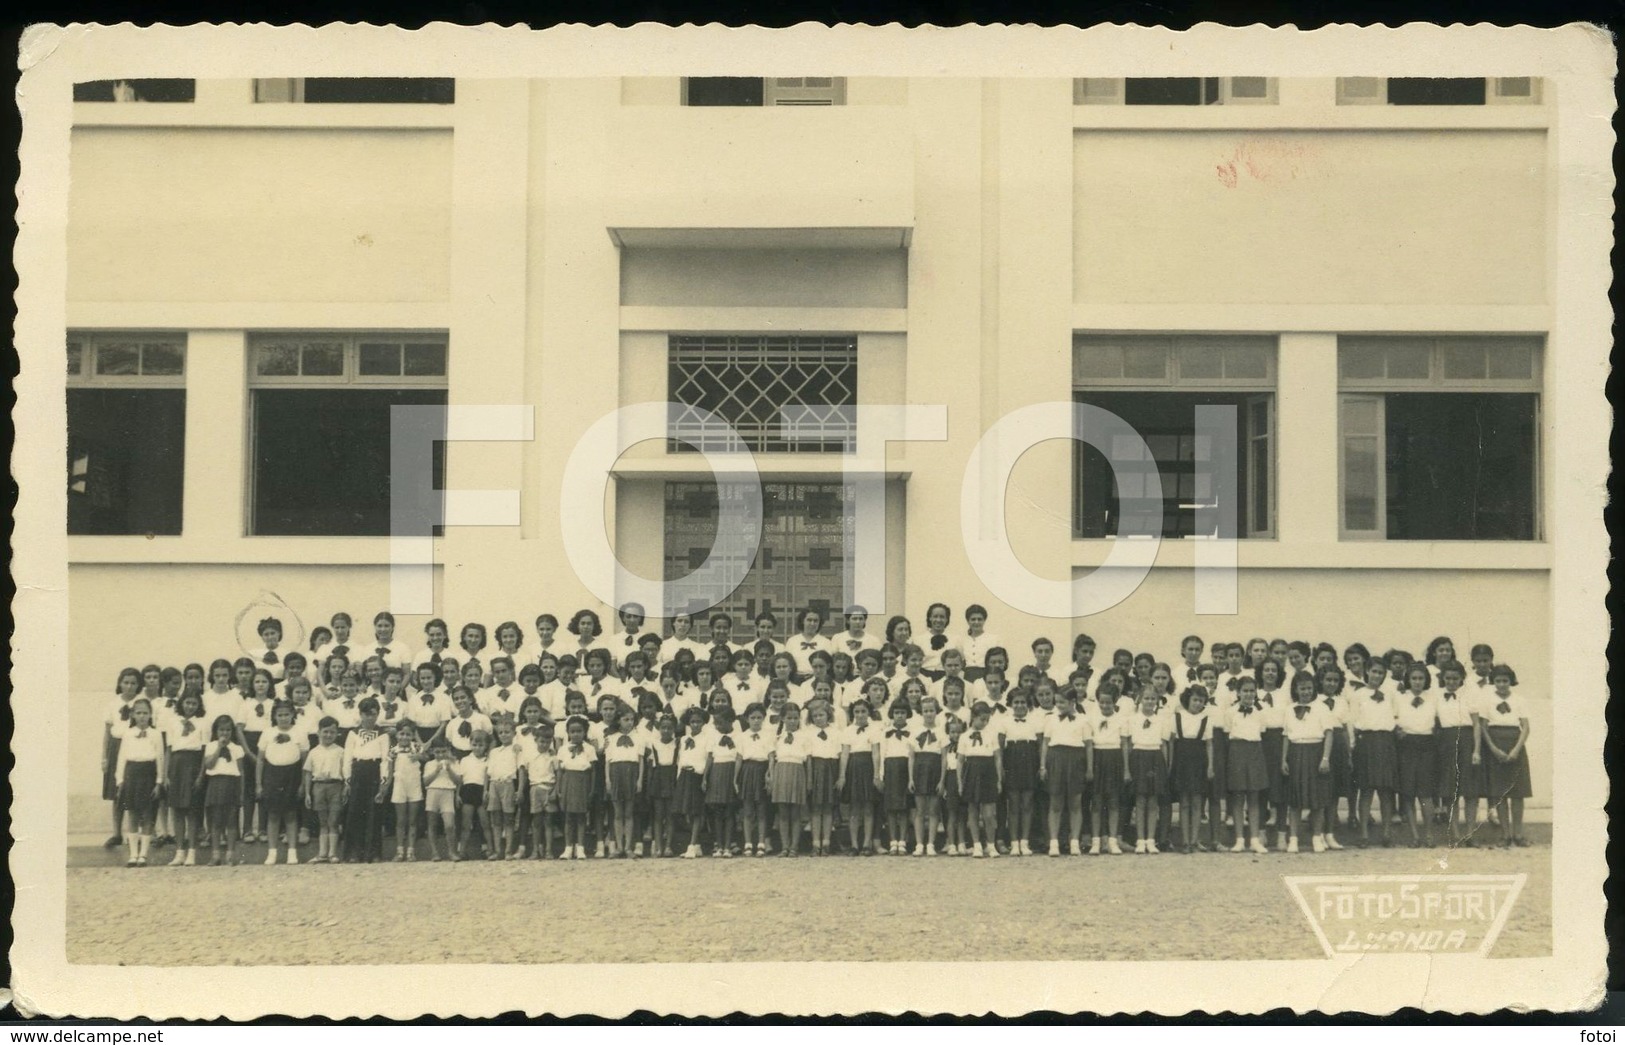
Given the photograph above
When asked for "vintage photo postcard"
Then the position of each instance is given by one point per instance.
(818, 521)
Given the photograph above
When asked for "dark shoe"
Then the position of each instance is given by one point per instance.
(1521, 842)
(114, 842)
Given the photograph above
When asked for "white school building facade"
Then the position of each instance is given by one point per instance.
(1362, 268)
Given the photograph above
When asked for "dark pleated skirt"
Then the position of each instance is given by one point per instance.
(223, 790)
(719, 784)
(1020, 765)
(1276, 789)
(1064, 772)
(1306, 788)
(1108, 770)
(860, 779)
(981, 781)
(895, 774)
(1246, 769)
(281, 789)
(753, 782)
(689, 799)
(181, 787)
(1220, 784)
(1418, 776)
(1150, 772)
(1504, 779)
(1457, 777)
(790, 786)
(1376, 761)
(110, 774)
(927, 772)
(623, 782)
(574, 790)
(1190, 766)
(136, 797)
(822, 774)
(662, 782)
(1341, 778)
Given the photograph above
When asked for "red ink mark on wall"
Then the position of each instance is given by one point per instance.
(1266, 159)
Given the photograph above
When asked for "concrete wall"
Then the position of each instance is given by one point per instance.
(243, 215)
(1392, 217)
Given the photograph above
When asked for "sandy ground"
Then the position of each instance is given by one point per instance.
(1167, 907)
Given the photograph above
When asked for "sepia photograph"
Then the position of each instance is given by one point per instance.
(1081, 516)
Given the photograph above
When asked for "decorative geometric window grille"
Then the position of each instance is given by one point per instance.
(780, 394)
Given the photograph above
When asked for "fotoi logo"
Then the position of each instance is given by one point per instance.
(1406, 913)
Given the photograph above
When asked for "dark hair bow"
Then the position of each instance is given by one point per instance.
(823, 734)
(428, 698)
(938, 641)
(808, 645)
(1417, 702)
(1503, 707)
(897, 732)
(341, 650)
(259, 709)
(1146, 724)
(465, 729)
(1245, 709)
(727, 742)
(927, 737)
(1301, 710)
(624, 741)
(976, 737)
(688, 743)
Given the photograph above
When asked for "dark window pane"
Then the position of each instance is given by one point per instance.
(425, 360)
(380, 360)
(381, 89)
(118, 359)
(1461, 466)
(323, 359)
(135, 90)
(724, 90)
(1106, 504)
(162, 360)
(321, 459)
(281, 360)
(126, 454)
(1435, 90)
(1162, 90)
(76, 357)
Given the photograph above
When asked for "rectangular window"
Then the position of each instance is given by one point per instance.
(779, 394)
(1439, 437)
(759, 91)
(1438, 90)
(321, 426)
(1174, 90)
(126, 433)
(1156, 383)
(365, 90)
(135, 91)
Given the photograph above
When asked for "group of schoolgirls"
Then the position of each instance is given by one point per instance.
(632, 744)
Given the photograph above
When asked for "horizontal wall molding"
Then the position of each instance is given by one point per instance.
(1313, 319)
(258, 315)
(723, 319)
(1310, 118)
(1431, 556)
(250, 115)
